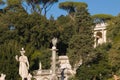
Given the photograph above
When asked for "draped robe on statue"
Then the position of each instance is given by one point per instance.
(23, 67)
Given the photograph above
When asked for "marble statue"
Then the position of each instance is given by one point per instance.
(29, 76)
(116, 77)
(23, 64)
(40, 66)
(54, 41)
(100, 40)
(2, 77)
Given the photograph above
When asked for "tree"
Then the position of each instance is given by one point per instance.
(99, 18)
(18, 29)
(70, 7)
(113, 38)
(41, 6)
(43, 56)
(8, 64)
(80, 45)
(66, 30)
(99, 68)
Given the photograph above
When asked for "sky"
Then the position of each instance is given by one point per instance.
(94, 7)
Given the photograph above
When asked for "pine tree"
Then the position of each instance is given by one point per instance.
(81, 44)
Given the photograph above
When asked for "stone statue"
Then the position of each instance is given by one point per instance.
(116, 77)
(23, 64)
(40, 66)
(54, 41)
(2, 77)
(29, 76)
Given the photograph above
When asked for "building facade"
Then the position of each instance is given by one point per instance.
(100, 34)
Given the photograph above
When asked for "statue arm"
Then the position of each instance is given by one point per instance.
(27, 63)
(16, 57)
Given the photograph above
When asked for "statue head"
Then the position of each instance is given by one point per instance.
(22, 51)
(54, 41)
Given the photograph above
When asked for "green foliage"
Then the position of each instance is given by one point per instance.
(114, 38)
(62, 20)
(113, 29)
(71, 6)
(80, 45)
(42, 56)
(99, 18)
(75, 36)
(33, 32)
(8, 64)
(114, 57)
(13, 2)
(66, 30)
(103, 16)
(98, 68)
(41, 6)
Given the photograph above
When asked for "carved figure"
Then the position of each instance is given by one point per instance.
(54, 41)
(116, 77)
(2, 77)
(23, 64)
(29, 76)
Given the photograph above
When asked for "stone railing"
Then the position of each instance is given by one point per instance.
(42, 72)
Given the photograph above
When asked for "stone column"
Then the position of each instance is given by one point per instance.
(105, 36)
(54, 49)
(95, 39)
(54, 59)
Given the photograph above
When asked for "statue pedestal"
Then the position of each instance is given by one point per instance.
(54, 60)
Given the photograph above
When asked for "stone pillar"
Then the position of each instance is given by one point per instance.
(95, 39)
(53, 59)
(54, 49)
(105, 36)
(102, 36)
